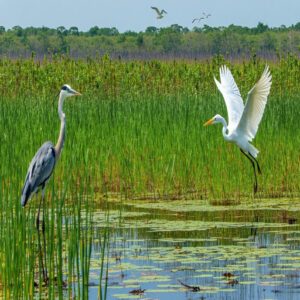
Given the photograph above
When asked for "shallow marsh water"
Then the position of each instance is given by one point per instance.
(242, 250)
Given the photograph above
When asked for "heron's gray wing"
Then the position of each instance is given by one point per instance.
(163, 11)
(39, 171)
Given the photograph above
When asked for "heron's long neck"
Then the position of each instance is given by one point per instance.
(61, 138)
(225, 128)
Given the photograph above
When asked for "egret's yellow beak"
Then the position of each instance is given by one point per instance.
(209, 122)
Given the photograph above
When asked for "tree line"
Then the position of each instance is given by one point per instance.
(174, 41)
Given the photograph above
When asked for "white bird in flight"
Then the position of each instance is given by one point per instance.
(205, 16)
(243, 121)
(198, 19)
(160, 13)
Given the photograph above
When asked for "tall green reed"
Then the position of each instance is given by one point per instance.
(69, 239)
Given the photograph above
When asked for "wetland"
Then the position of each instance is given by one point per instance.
(145, 202)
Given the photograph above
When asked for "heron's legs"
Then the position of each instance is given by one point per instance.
(253, 165)
(258, 167)
(39, 240)
(44, 270)
(44, 237)
(37, 221)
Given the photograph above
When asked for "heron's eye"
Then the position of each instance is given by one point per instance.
(64, 88)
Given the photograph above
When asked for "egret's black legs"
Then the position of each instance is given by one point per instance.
(41, 259)
(258, 167)
(253, 165)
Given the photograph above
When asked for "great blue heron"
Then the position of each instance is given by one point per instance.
(43, 163)
(243, 121)
(160, 13)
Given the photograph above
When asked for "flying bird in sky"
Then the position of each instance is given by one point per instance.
(198, 19)
(205, 16)
(160, 13)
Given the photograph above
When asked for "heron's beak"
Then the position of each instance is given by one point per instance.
(75, 93)
(209, 122)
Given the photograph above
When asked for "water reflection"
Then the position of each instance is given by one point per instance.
(234, 253)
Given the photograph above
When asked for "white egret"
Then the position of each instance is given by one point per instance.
(243, 121)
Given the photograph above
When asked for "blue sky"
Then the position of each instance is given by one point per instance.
(136, 14)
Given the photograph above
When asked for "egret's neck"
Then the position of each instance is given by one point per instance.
(61, 138)
(225, 128)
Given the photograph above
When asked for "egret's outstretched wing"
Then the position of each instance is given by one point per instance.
(255, 105)
(39, 171)
(156, 9)
(163, 11)
(232, 97)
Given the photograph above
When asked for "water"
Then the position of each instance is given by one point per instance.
(232, 250)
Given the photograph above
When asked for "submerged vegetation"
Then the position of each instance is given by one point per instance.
(137, 132)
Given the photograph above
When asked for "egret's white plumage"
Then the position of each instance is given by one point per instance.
(232, 97)
(243, 121)
(255, 106)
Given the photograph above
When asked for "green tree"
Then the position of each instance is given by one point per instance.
(260, 28)
(130, 33)
(109, 31)
(61, 30)
(151, 30)
(73, 30)
(140, 40)
(17, 30)
(169, 38)
(268, 42)
(93, 31)
(297, 26)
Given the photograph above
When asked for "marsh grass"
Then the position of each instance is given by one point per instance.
(159, 146)
(136, 131)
